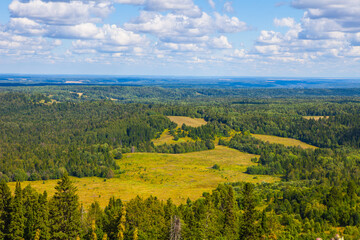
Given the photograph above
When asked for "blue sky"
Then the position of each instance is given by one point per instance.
(181, 37)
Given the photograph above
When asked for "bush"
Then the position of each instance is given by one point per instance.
(216, 167)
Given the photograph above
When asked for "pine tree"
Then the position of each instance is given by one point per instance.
(121, 226)
(5, 204)
(17, 218)
(64, 211)
(230, 226)
(248, 228)
(111, 217)
(43, 216)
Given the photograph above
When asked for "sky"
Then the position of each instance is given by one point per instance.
(293, 38)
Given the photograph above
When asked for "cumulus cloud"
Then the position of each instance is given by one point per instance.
(60, 13)
(181, 28)
(221, 43)
(66, 19)
(330, 15)
(19, 46)
(328, 29)
(225, 24)
(284, 22)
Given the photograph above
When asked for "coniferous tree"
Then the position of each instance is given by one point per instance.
(64, 211)
(5, 203)
(17, 218)
(112, 217)
(43, 216)
(248, 228)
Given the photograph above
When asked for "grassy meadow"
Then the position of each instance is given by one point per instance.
(179, 120)
(315, 117)
(289, 142)
(175, 176)
(192, 122)
(168, 139)
(163, 175)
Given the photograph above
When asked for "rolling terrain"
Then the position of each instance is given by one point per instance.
(175, 176)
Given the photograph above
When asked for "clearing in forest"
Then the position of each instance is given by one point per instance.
(315, 117)
(175, 176)
(192, 122)
(288, 142)
(165, 137)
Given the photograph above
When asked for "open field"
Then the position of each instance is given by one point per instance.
(163, 175)
(192, 122)
(289, 142)
(168, 139)
(315, 117)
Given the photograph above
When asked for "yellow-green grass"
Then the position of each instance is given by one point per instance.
(165, 137)
(192, 122)
(315, 117)
(289, 142)
(175, 176)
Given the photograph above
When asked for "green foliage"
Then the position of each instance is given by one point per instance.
(64, 211)
(41, 139)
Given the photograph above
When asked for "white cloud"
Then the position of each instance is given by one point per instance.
(185, 7)
(228, 7)
(212, 4)
(225, 24)
(332, 15)
(284, 22)
(131, 2)
(26, 26)
(327, 31)
(221, 43)
(60, 13)
(20, 47)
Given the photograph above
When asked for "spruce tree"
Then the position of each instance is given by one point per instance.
(17, 218)
(64, 211)
(5, 202)
(43, 216)
(248, 228)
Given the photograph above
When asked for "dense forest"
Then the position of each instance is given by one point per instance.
(52, 132)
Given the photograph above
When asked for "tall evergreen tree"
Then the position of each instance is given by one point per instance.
(248, 227)
(64, 211)
(17, 217)
(43, 216)
(5, 202)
